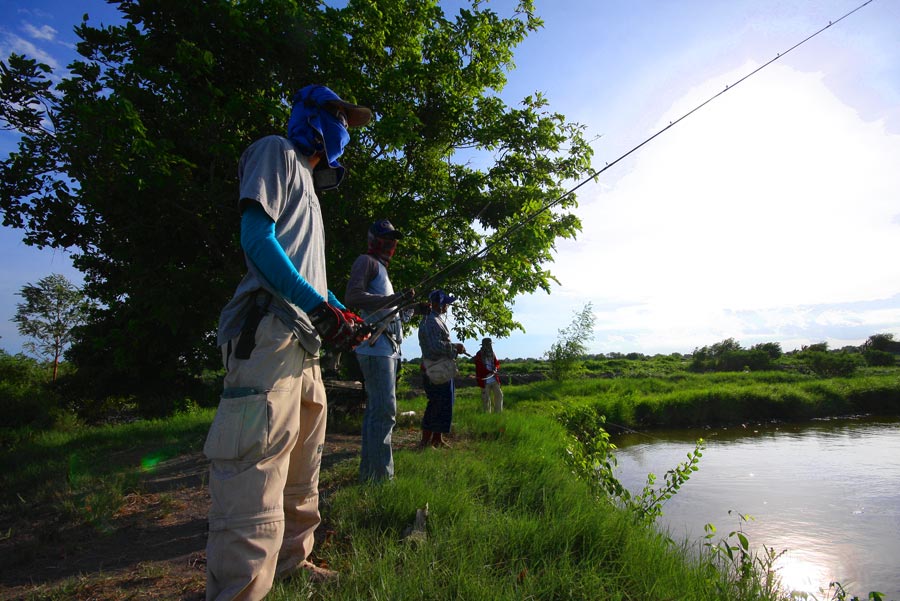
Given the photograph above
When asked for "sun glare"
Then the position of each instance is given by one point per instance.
(803, 572)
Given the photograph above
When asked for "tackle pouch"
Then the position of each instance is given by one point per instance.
(440, 371)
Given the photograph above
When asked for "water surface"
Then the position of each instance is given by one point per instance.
(827, 491)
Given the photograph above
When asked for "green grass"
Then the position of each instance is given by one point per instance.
(686, 399)
(83, 472)
(507, 518)
(506, 521)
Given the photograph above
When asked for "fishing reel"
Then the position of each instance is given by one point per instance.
(372, 331)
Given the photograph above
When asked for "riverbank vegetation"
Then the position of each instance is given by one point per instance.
(510, 514)
(506, 520)
(688, 399)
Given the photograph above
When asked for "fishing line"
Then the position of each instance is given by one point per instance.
(628, 430)
(500, 237)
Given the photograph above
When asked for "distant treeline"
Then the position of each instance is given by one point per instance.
(879, 350)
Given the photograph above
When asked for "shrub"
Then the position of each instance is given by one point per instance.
(830, 364)
(876, 358)
(566, 354)
(743, 360)
(731, 360)
(25, 398)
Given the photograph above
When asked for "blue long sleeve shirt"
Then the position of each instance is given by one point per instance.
(259, 242)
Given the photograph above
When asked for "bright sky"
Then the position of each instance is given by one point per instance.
(772, 214)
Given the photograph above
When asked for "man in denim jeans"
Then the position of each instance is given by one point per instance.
(369, 289)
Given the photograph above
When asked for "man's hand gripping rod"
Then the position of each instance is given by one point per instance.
(376, 323)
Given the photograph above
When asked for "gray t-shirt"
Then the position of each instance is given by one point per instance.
(273, 173)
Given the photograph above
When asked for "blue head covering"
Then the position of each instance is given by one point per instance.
(440, 297)
(314, 125)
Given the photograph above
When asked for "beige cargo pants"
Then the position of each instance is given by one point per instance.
(265, 448)
(492, 390)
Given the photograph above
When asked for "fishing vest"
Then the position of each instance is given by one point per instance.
(388, 344)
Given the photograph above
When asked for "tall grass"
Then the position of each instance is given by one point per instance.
(506, 521)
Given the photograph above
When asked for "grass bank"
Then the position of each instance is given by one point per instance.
(507, 518)
(684, 399)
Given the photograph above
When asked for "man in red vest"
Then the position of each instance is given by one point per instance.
(487, 367)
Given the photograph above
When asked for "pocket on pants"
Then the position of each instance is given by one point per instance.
(240, 429)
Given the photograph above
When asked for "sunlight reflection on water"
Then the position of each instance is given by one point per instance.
(803, 571)
(826, 492)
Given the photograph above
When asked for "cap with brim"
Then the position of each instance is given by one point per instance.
(321, 95)
(385, 229)
(357, 116)
(440, 297)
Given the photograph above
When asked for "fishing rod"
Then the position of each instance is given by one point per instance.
(499, 237)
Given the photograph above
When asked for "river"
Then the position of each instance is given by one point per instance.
(826, 491)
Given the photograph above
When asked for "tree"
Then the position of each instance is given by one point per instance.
(881, 342)
(728, 355)
(729, 345)
(131, 161)
(772, 349)
(818, 347)
(565, 354)
(52, 308)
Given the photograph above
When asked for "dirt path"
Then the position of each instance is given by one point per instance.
(153, 549)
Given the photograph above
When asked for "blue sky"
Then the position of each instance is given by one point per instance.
(772, 214)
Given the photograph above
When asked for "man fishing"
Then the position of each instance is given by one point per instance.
(265, 443)
(487, 368)
(434, 339)
(370, 290)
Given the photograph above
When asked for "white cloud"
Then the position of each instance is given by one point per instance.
(45, 32)
(774, 198)
(35, 12)
(10, 42)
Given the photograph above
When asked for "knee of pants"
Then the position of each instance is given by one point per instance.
(301, 492)
(242, 560)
